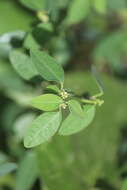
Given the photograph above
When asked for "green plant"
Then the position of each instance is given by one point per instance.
(76, 34)
(80, 111)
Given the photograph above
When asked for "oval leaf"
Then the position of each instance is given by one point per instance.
(73, 124)
(48, 68)
(47, 102)
(42, 129)
(23, 65)
(75, 108)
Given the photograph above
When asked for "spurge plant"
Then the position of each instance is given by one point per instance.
(65, 113)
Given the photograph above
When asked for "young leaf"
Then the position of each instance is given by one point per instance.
(7, 168)
(73, 124)
(75, 108)
(23, 65)
(48, 68)
(77, 11)
(53, 88)
(42, 129)
(47, 102)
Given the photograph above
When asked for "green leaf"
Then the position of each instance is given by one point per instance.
(7, 168)
(77, 11)
(53, 88)
(47, 102)
(42, 129)
(48, 68)
(23, 65)
(75, 108)
(73, 124)
(26, 165)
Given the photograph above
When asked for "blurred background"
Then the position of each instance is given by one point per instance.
(79, 34)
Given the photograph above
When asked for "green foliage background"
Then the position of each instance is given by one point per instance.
(95, 33)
